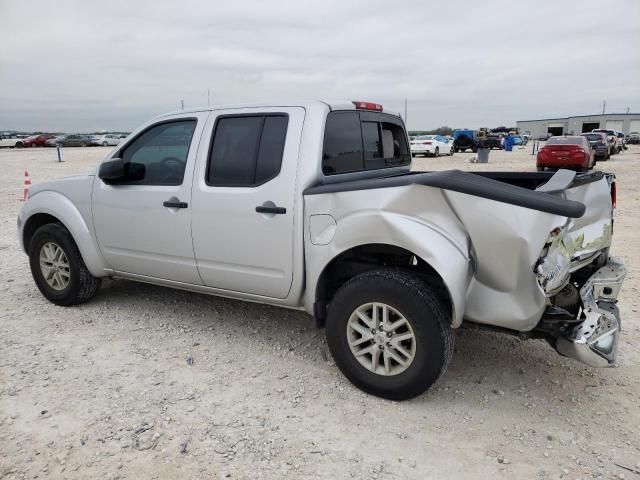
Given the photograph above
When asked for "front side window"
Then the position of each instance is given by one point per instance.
(246, 150)
(159, 155)
(359, 141)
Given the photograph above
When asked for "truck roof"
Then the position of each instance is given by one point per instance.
(333, 105)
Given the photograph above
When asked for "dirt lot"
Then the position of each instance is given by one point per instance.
(147, 382)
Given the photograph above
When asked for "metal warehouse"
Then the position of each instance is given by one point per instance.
(622, 122)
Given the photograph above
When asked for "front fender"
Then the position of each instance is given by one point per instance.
(448, 256)
(60, 207)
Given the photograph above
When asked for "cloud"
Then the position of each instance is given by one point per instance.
(86, 65)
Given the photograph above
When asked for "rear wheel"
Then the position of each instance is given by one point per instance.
(105, 144)
(58, 268)
(389, 333)
(540, 169)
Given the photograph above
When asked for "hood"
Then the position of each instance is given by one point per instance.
(65, 185)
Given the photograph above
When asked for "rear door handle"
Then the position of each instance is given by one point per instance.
(175, 204)
(271, 209)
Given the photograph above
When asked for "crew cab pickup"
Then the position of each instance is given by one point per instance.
(314, 206)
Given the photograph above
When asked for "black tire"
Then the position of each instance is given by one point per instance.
(540, 169)
(419, 304)
(437, 152)
(82, 285)
(19, 144)
(105, 144)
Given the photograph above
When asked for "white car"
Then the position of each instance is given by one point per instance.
(431, 145)
(107, 140)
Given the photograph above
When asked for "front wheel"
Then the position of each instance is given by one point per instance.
(105, 144)
(58, 268)
(389, 333)
(437, 152)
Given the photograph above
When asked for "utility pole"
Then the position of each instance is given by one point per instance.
(604, 106)
(182, 104)
(405, 111)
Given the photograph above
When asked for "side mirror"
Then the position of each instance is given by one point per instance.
(111, 171)
(117, 170)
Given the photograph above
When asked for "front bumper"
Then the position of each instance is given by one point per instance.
(595, 340)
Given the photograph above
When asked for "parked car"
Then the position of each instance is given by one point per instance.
(612, 139)
(389, 260)
(492, 141)
(74, 141)
(52, 142)
(464, 139)
(105, 140)
(634, 138)
(598, 142)
(11, 142)
(570, 152)
(37, 140)
(622, 143)
(435, 145)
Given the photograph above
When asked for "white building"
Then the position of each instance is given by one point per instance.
(622, 122)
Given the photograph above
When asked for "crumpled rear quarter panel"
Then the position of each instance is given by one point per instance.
(413, 217)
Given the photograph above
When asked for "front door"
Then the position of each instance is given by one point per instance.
(143, 224)
(243, 200)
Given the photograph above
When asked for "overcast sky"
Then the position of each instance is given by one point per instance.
(89, 65)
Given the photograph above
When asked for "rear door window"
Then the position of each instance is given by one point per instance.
(357, 141)
(246, 150)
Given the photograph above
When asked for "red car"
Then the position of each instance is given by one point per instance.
(37, 140)
(571, 152)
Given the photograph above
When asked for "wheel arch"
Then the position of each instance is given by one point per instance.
(447, 271)
(52, 207)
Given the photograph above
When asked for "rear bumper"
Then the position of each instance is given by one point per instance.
(595, 340)
(562, 164)
(426, 149)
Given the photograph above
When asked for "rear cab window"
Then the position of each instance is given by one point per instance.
(356, 141)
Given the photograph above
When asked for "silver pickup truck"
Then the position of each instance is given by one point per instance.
(314, 206)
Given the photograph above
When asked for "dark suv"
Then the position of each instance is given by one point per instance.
(598, 142)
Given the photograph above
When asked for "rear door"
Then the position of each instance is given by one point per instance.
(243, 200)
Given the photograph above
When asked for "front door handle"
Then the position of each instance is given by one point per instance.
(175, 204)
(269, 207)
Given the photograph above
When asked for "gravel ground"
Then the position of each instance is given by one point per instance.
(148, 382)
